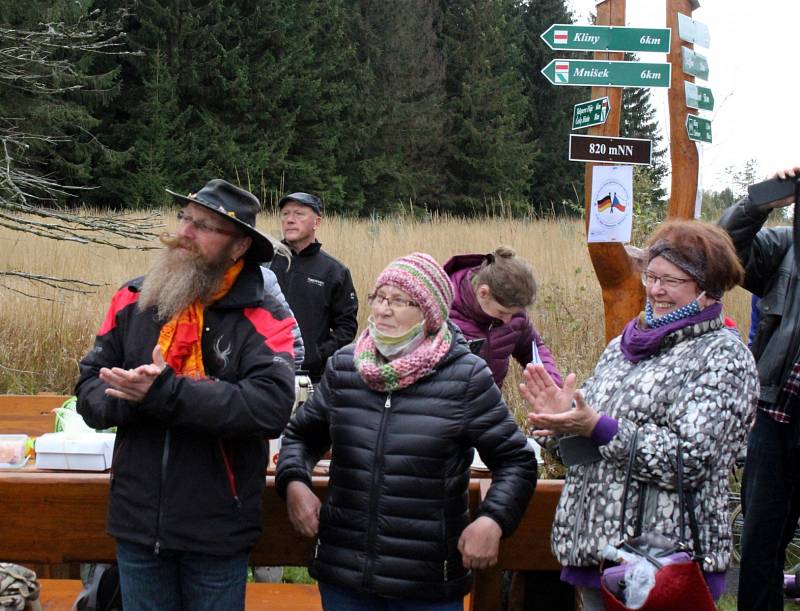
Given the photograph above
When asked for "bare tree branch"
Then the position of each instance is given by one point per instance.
(40, 63)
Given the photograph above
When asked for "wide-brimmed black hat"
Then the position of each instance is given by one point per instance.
(236, 205)
(306, 199)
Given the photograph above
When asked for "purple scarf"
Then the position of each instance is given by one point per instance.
(640, 342)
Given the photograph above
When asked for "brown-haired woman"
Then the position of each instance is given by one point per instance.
(675, 380)
(491, 294)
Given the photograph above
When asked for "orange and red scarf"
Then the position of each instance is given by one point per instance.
(180, 337)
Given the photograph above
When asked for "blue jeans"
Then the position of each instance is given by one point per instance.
(771, 506)
(175, 581)
(335, 598)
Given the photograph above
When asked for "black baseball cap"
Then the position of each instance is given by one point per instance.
(312, 201)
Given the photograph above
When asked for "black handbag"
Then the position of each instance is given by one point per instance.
(679, 581)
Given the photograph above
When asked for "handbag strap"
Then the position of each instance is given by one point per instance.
(628, 473)
(686, 501)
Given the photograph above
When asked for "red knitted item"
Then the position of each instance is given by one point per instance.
(679, 586)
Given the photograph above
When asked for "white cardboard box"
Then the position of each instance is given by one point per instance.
(83, 452)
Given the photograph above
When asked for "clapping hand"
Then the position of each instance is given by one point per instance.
(133, 384)
(552, 409)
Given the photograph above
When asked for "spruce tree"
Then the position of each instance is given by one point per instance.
(639, 121)
(401, 46)
(488, 153)
(555, 183)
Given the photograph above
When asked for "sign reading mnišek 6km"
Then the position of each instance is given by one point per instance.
(598, 73)
(593, 112)
(606, 38)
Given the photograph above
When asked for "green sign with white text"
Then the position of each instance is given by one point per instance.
(593, 112)
(606, 38)
(596, 73)
(699, 129)
(694, 63)
(698, 97)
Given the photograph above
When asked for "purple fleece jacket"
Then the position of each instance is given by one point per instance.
(502, 340)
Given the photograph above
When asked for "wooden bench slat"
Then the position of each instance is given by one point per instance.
(60, 594)
(28, 414)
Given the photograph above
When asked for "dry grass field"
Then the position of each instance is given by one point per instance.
(41, 340)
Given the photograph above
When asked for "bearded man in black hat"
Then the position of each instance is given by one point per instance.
(193, 365)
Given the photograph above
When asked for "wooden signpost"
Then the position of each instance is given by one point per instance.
(617, 272)
(607, 73)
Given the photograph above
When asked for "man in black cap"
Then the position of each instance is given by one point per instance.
(193, 365)
(318, 287)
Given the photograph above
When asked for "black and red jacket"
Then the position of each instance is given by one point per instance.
(190, 460)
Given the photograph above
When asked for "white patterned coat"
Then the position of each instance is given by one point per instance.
(701, 388)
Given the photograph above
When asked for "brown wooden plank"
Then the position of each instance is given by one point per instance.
(528, 548)
(617, 274)
(682, 151)
(28, 414)
(60, 594)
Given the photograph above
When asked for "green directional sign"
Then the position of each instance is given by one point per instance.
(593, 112)
(607, 73)
(694, 63)
(698, 97)
(699, 129)
(606, 38)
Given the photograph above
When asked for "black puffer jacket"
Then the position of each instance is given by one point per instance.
(397, 497)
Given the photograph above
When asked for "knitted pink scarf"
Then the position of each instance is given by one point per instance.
(389, 376)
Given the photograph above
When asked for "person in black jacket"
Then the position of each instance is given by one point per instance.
(318, 287)
(770, 491)
(193, 365)
(401, 412)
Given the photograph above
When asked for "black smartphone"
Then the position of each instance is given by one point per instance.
(772, 190)
(475, 345)
(577, 450)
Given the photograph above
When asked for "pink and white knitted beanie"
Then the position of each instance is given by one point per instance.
(419, 275)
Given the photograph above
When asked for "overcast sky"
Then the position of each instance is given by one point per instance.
(754, 74)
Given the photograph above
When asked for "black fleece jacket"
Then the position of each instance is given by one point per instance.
(320, 292)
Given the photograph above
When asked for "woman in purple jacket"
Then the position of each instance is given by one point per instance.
(492, 293)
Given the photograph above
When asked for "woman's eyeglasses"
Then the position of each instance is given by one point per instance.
(671, 282)
(202, 226)
(394, 303)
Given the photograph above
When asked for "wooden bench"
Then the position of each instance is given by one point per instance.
(54, 517)
(60, 594)
(29, 414)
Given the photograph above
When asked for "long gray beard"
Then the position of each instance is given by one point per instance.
(179, 278)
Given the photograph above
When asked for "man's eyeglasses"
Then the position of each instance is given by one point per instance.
(394, 303)
(670, 282)
(202, 226)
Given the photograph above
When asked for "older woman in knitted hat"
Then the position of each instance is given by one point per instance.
(674, 382)
(401, 412)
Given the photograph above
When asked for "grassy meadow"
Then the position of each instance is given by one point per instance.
(41, 340)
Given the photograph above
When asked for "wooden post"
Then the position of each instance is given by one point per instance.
(618, 274)
(683, 152)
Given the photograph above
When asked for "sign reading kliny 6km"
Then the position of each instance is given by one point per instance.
(606, 38)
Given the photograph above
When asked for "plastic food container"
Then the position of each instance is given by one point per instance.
(12, 451)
